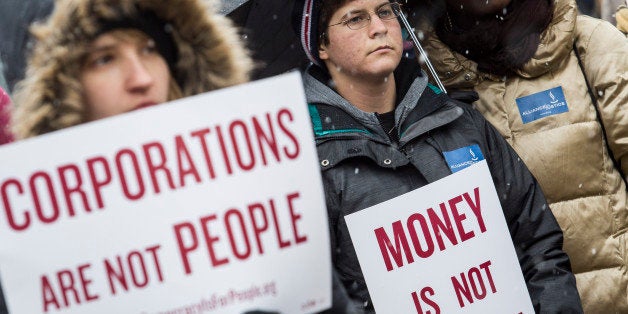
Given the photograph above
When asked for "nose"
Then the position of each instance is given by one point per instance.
(377, 26)
(138, 76)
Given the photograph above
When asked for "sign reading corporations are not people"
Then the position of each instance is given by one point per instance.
(115, 215)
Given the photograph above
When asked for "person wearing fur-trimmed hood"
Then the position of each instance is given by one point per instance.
(97, 58)
(201, 47)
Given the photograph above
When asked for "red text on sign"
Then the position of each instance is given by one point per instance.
(424, 229)
(244, 232)
(66, 287)
(137, 269)
(473, 285)
(154, 167)
(425, 296)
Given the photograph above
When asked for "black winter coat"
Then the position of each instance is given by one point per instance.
(428, 123)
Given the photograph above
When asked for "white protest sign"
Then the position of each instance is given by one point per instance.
(209, 204)
(443, 248)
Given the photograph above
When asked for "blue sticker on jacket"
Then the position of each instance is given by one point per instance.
(542, 104)
(463, 157)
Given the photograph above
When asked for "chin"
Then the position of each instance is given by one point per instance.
(384, 68)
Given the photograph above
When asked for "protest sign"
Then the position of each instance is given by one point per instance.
(208, 204)
(443, 248)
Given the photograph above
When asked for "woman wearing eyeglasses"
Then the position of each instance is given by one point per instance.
(382, 131)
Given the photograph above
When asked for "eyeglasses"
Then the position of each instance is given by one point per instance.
(360, 19)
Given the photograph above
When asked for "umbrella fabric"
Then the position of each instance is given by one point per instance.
(268, 33)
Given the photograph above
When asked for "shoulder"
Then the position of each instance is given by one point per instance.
(592, 30)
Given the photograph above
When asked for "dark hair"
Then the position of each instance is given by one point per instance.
(327, 9)
(500, 46)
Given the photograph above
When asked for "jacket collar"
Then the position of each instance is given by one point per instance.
(333, 115)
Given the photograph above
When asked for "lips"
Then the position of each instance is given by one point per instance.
(145, 105)
(381, 48)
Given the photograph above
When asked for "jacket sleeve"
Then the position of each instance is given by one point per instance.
(604, 53)
(3, 303)
(341, 302)
(536, 235)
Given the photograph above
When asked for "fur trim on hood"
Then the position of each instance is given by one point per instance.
(210, 56)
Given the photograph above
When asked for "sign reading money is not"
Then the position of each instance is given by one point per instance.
(443, 248)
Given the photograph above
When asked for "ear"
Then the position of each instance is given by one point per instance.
(322, 52)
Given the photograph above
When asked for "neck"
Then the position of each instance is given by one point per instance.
(369, 95)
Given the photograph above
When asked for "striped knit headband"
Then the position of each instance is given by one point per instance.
(309, 30)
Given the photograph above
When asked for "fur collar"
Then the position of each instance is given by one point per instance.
(50, 97)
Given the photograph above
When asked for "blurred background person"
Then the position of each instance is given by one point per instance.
(607, 9)
(15, 41)
(588, 7)
(622, 18)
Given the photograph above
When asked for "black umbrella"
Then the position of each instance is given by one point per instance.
(267, 30)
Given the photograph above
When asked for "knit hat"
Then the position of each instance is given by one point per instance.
(151, 25)
(305, 19)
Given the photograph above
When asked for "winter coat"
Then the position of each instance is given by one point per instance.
(361, 167)
(5, 106)
(566, 149)
(210, 56)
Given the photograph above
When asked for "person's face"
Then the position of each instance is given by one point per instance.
(123, 73)
(370, 52)
(478, 7)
